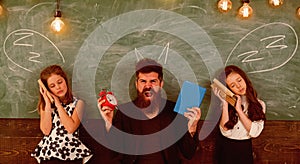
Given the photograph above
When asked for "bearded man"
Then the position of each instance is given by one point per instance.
(156, 133)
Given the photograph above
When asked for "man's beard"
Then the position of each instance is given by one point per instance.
(143, 102)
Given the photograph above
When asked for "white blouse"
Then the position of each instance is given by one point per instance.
(239, 132)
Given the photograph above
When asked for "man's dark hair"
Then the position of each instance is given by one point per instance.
(147, 65)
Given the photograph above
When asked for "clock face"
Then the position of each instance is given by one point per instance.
(111, 99)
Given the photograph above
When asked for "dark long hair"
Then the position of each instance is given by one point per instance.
(44, 75)
(255, 111)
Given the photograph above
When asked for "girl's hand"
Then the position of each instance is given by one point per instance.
(46, 98)
(221, 96)
(238, 105)
(56, 100)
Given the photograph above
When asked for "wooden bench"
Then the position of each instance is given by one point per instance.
(278, 143)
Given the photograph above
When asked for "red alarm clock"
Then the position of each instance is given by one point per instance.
(110, 99)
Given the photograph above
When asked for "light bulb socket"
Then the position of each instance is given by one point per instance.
(57, 13)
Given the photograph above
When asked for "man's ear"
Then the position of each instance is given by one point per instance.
(161, 83)
(136, 81)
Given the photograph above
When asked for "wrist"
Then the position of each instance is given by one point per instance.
(224, 102)
(192, 129)
(59, 106)
(49, 111)
(192, 133)
(224, 106)
(239, 111)
(107, 125)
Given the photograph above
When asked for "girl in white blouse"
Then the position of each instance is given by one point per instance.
(240, 123)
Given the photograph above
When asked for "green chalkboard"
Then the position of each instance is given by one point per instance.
(190, 38)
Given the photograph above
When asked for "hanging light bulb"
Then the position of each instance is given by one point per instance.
(57, 24)
(246, 10)
(224, 5)
(275, 3)
(298, 12)
(1, 9)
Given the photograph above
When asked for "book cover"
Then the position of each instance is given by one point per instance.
(225, 93)
(191, 95)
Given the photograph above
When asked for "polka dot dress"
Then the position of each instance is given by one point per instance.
(59, 144)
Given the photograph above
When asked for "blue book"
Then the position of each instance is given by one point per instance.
(191, 95)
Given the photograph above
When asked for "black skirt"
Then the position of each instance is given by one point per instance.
(230, 151)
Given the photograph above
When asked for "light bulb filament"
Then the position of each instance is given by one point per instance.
(57, 24)
(275, 3)
(245, 11)
(224, 5)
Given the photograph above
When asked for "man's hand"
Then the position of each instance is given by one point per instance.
(107, 114)
(193, 115)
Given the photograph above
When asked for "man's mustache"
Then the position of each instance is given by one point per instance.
(147, 89)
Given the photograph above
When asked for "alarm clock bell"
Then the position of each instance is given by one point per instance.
(110, 99)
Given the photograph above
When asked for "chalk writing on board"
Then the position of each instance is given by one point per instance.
(265, 48)
(38, 5)
(166, 48)
(24, 48)
(139, 56)
(180, 7)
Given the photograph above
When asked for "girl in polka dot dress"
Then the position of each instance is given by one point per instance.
(59, 122)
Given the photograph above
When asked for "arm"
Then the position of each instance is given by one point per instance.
(225, 115)
(45, 121)
(45, 114)
(253, 128)
(258, 126)
(71, 123)
(189, 143)
(242, 116)
(110, 135)
(106, 113)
